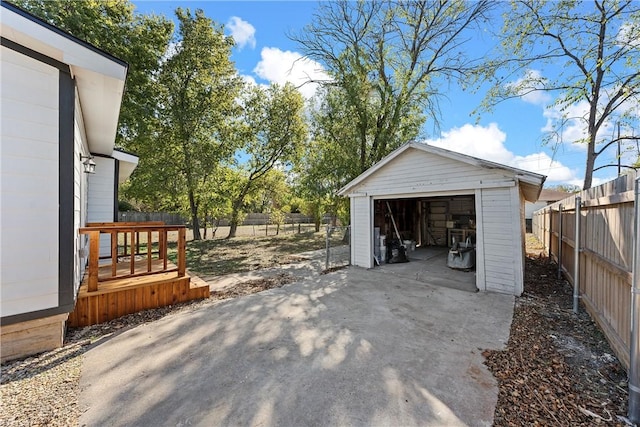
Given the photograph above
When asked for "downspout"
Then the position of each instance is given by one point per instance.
(634, 348)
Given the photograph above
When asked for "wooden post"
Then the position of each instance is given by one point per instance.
(576, 257)
(634, 346)
(114, 253)
(328, 247)
(148, 251)
(94, 254)
(550, 234)
(134, 245)
(182, 251)
(560, 241)
(162, 242)
(162, 250)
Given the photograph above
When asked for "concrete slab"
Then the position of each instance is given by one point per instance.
(347, 348)
(429, 265)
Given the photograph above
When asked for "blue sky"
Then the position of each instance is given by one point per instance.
(512, 134)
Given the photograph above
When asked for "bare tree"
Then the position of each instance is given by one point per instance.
(390, 62)
(585, 53)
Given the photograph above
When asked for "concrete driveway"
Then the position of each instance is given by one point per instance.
(354, 347)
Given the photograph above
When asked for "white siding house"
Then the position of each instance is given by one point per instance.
(436, 189)
(60, 101)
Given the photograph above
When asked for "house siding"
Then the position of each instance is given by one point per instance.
(80, 187)
(102, 197)
(30, 197)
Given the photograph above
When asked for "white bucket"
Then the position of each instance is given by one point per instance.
(410, 245)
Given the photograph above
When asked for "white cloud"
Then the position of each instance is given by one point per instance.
(488, 143)
(569, 125)
(543, 164)
(477, 141)
(527, 86)
(279, 66)
(248, 79)
(242, 32)
(595, 181)
(629, 34)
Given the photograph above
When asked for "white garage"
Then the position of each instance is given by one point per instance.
(432, 198)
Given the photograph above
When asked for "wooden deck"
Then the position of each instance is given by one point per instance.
(117, 297)
(128, 285)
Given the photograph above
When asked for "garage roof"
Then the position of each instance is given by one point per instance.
(531, 183)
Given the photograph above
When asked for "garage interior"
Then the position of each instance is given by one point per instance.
(436, 233)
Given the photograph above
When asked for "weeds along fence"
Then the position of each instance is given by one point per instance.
(595, 253)
(338, 246)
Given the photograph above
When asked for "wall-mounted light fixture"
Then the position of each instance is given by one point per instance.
(89, 164)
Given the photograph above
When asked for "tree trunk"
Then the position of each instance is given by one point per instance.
(233, 227)
(235, 210)
(591, 160)
(194, 216)
(235, 216)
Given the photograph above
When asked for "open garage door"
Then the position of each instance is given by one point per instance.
(428, 227)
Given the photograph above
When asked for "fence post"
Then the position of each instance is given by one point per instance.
(634, 347)
(182, 251)
(560, 241)
(576, 258)
(550, 210)
(328, 245)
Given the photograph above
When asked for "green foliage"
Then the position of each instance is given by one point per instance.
(125, 206)
(389, 62)
(594, 44)
(198, 87)
(273, 129)
(140, 40)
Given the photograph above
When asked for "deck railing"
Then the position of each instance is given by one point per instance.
(127, 236)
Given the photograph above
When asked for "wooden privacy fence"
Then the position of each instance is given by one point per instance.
(604, 261)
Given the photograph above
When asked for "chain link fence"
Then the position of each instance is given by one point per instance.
(338, 247)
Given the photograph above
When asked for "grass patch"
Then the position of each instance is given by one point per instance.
(225, 256)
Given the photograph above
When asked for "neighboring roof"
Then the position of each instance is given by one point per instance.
(547, 195)
(531, 182)
(100, 77)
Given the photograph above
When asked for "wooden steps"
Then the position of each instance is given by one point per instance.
(115, 298)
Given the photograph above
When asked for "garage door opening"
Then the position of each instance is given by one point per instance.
(437, 233)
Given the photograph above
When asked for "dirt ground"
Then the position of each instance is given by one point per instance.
(219, 257)
(558, 368)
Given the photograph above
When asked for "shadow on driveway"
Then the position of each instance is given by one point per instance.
(354, 347)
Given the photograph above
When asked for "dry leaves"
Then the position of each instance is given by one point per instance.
(558, 368)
